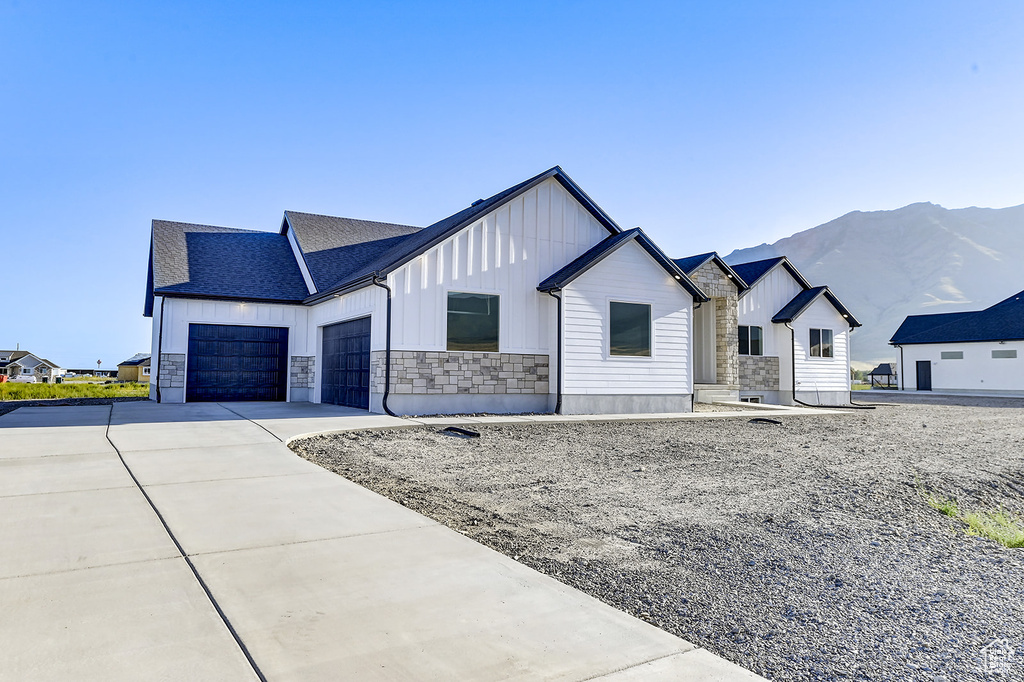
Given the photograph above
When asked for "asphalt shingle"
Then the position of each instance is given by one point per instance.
(1003, 321)
(224, 262)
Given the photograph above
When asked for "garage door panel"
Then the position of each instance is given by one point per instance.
(346, 357)
(233, 362)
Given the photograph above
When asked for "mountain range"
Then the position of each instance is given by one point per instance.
(919, 259)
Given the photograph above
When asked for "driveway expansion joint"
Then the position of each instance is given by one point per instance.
(209, 595)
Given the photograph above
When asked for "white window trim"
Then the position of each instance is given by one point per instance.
(608, 330)
(26, 370)
(145, 371)
(832, 345)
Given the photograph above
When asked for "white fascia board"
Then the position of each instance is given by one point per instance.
(300, 258)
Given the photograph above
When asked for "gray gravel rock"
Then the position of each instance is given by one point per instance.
(802, 552)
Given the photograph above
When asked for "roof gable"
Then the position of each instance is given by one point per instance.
(691, 264)
(421, 241)
(803, 301)
(610, 245)
(335, 247)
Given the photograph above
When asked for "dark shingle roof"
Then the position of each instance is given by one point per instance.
(335, 247)
(805, 298)
(755, 270)
(608, 246)
(884, 369)
(691, 263)
(222, 262)
(416, 243)
(1003, 321)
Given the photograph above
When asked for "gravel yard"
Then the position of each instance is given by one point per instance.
(805, 551)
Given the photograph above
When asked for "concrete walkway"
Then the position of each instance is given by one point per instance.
(145, 541)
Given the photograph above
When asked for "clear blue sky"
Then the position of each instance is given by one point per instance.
(713, 126)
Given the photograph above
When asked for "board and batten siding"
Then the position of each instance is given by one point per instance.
(822, 374)
(508, 252)
(629, 275)
(759, 304)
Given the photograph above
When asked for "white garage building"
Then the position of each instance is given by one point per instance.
(972, 352)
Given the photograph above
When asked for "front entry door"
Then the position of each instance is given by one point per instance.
(704, 351)
(924, 375)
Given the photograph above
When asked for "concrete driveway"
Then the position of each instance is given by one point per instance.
(170, 542)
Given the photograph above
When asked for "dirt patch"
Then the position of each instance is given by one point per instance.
(802, 552)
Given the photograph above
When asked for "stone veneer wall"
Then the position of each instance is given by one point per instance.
(441, 372)
(759, 373)
(172, 370)
(302, 371)
(712, 281)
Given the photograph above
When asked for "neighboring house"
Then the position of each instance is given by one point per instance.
(716, 362)
(884, 375)
(793, 338)
(135, 368)
(978, 351)
(531, 300)
(23, 363)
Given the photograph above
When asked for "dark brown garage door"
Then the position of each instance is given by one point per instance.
(346, 358)
(231, 362)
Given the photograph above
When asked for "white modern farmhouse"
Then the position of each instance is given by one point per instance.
(533, 300)
(979, 352)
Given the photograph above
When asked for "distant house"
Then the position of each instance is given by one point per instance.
(978, 351)
(135, 368)
(883, 376)
(23, 363)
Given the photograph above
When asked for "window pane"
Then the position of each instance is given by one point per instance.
(1004, 354)
(744, 340)
(952, 355)
(472, 322)
(756, 341)
(826, 343)
(630, 326)
(816, 343)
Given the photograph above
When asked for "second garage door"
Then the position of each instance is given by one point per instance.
(346, 358)
(232, 362)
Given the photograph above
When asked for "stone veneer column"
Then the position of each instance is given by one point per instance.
(302, 371)
(727, 340)
(172, 370)
(712, 281)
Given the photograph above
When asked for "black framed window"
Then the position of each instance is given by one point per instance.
(821, 343)
(473, 321)
(751, 340)
(629, 327)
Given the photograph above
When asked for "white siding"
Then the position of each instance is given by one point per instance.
(978, 371)
(507, 252)
(632, 276)
(822, 374)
